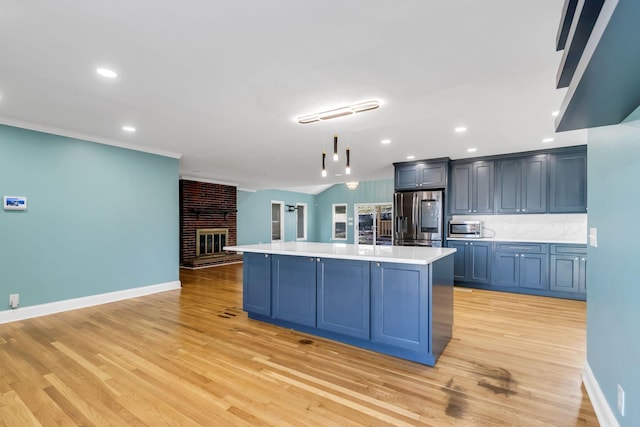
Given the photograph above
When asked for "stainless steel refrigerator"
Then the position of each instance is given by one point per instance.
(419, 218)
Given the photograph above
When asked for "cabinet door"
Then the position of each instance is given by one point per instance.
(406, 177)
(294, 289)
(256, 283)
(534, 184)
(461, 188)
(568, 182)
(508, 186)
(459, 259)
(432, 175)
(479, 267)
(582, 275)
(564, 272)
(400, 305)
(343, 296)
(482, 187)
(507, 269)
(534, 271)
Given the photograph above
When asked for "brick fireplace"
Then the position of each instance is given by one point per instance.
(207, 223)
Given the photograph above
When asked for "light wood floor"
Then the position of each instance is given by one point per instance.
(192, 358)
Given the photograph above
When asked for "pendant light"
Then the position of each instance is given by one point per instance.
(335, 148)
(348, 170)
(324, 169)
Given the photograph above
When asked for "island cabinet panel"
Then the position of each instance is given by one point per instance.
(400, 306)
(293, 280)
(256, 295)
(343, 296)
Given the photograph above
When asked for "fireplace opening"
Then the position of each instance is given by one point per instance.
(210, 241)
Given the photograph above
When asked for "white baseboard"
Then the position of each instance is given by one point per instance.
(29, 312)
(605, 415)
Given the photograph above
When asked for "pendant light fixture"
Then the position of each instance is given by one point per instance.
(324, 169)
(335, 157)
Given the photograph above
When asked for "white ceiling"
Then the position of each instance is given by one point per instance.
(220, 82)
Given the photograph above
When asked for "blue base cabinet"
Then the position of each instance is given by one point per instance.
(404, 310)
(472, 261)
(256, 285)
(522, 265)
(568, 268)
(343, 296)
(293, 281)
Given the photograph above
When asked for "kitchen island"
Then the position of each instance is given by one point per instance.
(396, 300)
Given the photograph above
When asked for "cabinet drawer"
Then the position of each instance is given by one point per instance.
(533, 248)
(568, 249)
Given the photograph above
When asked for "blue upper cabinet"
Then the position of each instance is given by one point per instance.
(568, 182)
(256, 283)
(294, 289)
(472, 187)
(421, 175)
(343, 296)
(521, 185)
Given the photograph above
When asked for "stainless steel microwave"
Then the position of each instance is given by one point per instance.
(466, 229)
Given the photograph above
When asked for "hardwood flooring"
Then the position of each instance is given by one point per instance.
(192, 358)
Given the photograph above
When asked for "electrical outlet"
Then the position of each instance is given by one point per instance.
(620, 400)
(593, 237)
(14, 300)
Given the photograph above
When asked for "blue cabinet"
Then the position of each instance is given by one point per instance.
(472, 261)
(568, 182)
(400, 306)
(343, 296)
(521, 185)
(256, 283)
(568, 268)
(293, 280)
(522, 265)
(422, 175)
(472, 187)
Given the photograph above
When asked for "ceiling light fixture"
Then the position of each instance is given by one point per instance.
(460, 129)
(335, 148)
(105, 72)
(128, 128)
(339, 112)
(411, 157)
(385, 141)
(471, 150)
(352, 185)
(348, 168)
(324, 169)
(555, 113)
(547, 140)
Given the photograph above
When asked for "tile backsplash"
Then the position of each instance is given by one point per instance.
(551, 227)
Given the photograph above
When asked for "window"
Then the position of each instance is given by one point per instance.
(277, 221)
(301, 221)
(339, 222)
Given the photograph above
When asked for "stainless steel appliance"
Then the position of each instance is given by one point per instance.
(418, 218)
(466, 229)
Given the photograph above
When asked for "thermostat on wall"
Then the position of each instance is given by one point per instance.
(15, 203)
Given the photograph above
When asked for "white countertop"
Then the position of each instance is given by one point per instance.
(494, 239)
(397, 254)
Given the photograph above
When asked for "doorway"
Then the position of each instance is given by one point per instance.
(375, 224)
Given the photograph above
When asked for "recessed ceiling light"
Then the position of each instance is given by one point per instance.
(547, 140)
(385, 141)
(460, 129)
(338, 174)
(128, 128)
(555, 113)
(105, 72)
(411, 157)
(471, 150)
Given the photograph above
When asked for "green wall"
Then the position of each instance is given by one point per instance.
(99, 219)
(254, 210)
(613, 279)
